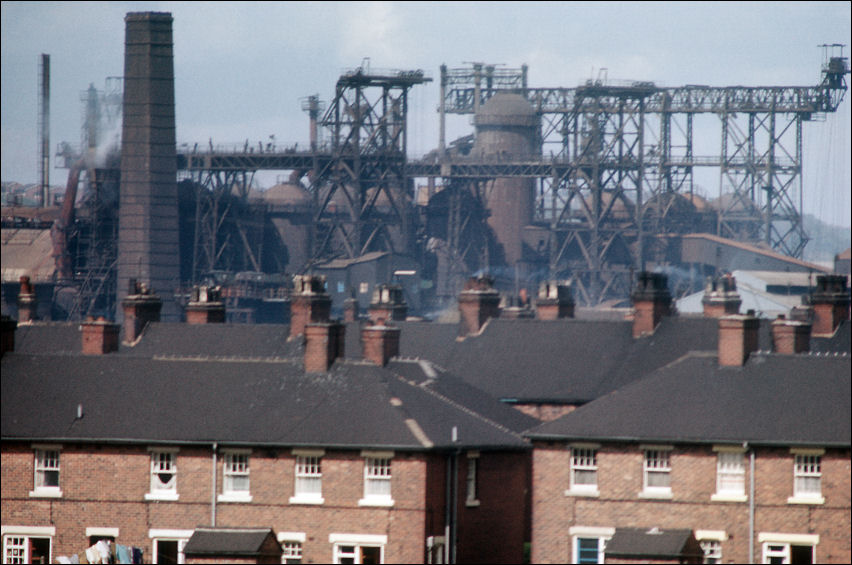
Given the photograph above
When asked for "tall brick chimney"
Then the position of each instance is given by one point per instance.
(478, 302)
(790, 336)
(388, 303)
(324, 342)
(141, 306)
(379, 343)
(555, 300)
(830, 302)
(7, 334)
(27, 301)
(721, 297)
(148, 242)
(309, 303)
(651, 301)
(99, 336)
(737, 338)
(205, 306)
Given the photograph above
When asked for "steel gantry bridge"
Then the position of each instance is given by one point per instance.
(616, 167)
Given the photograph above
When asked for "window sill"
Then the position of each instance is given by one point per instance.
(378, 502)
(315, 500)
(168, 496)
(471, 503)
(46, 493)
(728, 497)
(587, 493)
(231, 497)
(656, 495)
(806, 500)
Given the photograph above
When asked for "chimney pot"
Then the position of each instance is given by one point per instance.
(651, 301)
(27, 301)
(554, 301)
(207, 306)
(309, 303)
(830, 302)
(324, 342)
(389, 303)
(790, 337)
(478, 302)
(141, 307)
(721, 297)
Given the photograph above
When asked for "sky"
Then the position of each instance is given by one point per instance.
(242, 69)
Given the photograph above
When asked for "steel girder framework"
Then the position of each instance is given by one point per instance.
(621, 144)
(360, 197)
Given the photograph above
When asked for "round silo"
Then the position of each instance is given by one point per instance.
(507, 130)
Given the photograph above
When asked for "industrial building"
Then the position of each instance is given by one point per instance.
(592, 183)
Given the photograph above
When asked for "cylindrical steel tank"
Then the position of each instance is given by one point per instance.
(507, 129)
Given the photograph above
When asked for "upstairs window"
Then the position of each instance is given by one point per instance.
(808, 476)
(235, 480)
(46, 472)
(730, 474)
(163, 475)
(584, 469)
(308, 479)
(657, 472)
(377, 479)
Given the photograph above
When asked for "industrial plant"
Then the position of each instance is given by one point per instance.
(591, 184)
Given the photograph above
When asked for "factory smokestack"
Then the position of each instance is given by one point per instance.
(44, 129)
(148, 205)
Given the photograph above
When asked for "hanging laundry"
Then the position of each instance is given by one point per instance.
(123, 554)
(137, 555)
(103, 549)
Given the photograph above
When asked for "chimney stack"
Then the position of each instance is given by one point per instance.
(790, 337)
(478, 302)
(99, 336)
(737, 338)
(555, 300)
(309, 303)
(351, 311)
(205, 306)
(27, 301)
(7, 335)
(324, 342)
(830, 302)
(379, 343)
(388, 303)
(141, 306)
(651, 301)
(721, 297)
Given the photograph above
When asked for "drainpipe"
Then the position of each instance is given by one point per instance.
(213, 497)
(750, 502)
(455, 501)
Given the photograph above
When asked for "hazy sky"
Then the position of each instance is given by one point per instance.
(242, 68)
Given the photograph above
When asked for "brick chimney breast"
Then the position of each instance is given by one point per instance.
(830, 302)
(7, 337)
(205, 306)
(555, 300)
(721, 297)
(324, 342)
(478, 302)
(309, 303)
(651, 301)
(380, 343)
(790, 337)
(99, 336)
(738, 338)
(141, 307)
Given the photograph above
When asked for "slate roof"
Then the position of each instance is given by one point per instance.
(771, 400)
(48, 338)
(227, 541)
(648, 543)
(216, 341)
(262, 402)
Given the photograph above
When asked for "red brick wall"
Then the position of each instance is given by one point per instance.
(693, 481)
(105, 487)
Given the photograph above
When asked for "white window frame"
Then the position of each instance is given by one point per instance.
(291, 539)
(180, 536)
(378, 469)
(41, 465)
(583, 458)
(231, 460)
(307, 467)
(472, 482)
(356, 541)
(807, 464)
(711, 543)
(727, 458)
(24, 533)
(603, 535)
(656, 460)
(772, 540)
(436, 550)
(156, 492)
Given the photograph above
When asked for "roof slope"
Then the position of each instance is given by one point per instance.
(216, 340)
(227, 541)
(645, 543)
(772, 399)
(269, 402)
